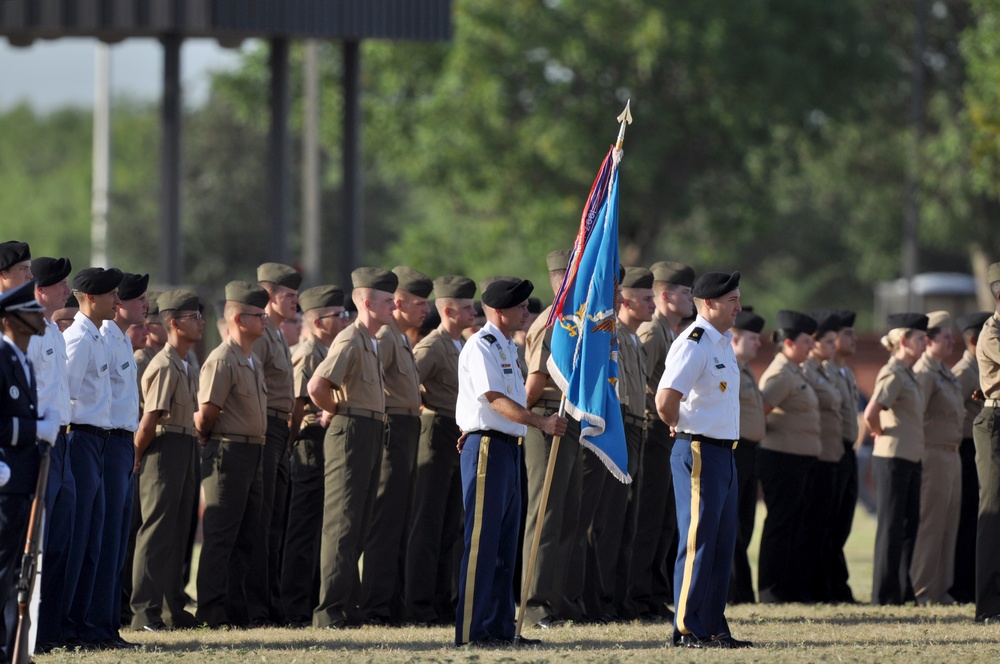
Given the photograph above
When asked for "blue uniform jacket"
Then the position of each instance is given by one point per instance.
(18, 414)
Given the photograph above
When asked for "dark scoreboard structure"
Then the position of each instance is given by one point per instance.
(230, 22)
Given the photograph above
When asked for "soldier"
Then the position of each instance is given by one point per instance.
(231, 424)
(846, 490)
(986, 433)
(156, 337)
(746, 343)
(20, 426)
(963, 589)
(48, 358)
(436, 514)
(550, 586)
(119, 459)
(694, 398)
(283, 416)
(654, 547)
(89, 371)
(323, 318)
(63, 318)
(164, 463)
(15, 264)
(612, 544)
(352, 448)
(381, 590)
(492, 415)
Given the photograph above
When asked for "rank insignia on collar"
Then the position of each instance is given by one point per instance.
(723, 385)
(490, 338)
(696, 334)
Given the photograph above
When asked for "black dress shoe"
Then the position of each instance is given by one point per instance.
(524, 642)
(380, 621)
(550, 622)
(692, 641)
(117, 643)
(156, 627)
(989, 620)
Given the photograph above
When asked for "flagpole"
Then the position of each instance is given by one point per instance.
(625, 118)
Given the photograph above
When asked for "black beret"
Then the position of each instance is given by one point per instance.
(912, 321)
(431, 321)
(50, 271)
(534, 305)
(486, 281)
(796, 322)
(455, 286)
(71, 302)
(13, 252)
(637, 277)
(412, 281)
(375, 277)
(247, 293)
(280, 274)
(320, 297)
(178, 300)
(827, 321)
(132, 286)
(972, 321)
(478, 306)
(714, 284)
(505, 294)
(847, 317)
(21, 298)
(558, 259)
(673, 273)
(749, 321)
(97, 281)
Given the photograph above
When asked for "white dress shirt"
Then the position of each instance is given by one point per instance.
(486, 365)
(124, 381)
(702, 366)
(89, 372)
(48, 357)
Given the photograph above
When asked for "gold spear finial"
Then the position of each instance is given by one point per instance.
(625, 118)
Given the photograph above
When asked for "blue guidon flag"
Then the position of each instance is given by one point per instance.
(584, 359)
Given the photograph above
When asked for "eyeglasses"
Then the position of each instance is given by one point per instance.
(342, 314)
(258, 316)
(197, 316)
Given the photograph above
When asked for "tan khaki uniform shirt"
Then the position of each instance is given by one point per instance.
(656, 337)
(944, 407)
(898, 390)
(538, 347)
(831, 430)
(171, 387)
(793, 425)
(230, 382)
(273, 351)
(752, 422)
(308, 355)
(436, 357)
(966, 370)
(353, 367)
(848, 386)
(988, 356)
(143, 356)
(402, 384)
(631, 372)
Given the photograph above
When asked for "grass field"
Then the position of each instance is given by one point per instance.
(790, 633)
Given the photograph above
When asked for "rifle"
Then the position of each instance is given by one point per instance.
(29, 563)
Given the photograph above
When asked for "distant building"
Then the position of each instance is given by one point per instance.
(932, 291)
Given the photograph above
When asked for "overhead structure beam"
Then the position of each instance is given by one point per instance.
(171, 255)
(353, 216)
(279, 171)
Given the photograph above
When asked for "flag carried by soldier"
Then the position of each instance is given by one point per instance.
(584, 359)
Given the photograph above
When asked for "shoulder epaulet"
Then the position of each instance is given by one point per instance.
(696, 334)
(490, 338)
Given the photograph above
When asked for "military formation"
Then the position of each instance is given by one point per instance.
(369, 455)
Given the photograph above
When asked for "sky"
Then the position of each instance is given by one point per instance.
(54, 74)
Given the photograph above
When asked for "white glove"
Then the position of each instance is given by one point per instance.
(4, 473)
(47, 428)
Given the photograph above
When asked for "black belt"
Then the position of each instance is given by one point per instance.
(496, 435)
(363, 412)
(634, 420)
(123, 433)
(103, 434)
(718, 442)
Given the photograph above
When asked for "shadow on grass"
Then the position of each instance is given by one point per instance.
(864, 619)
(335, 645)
